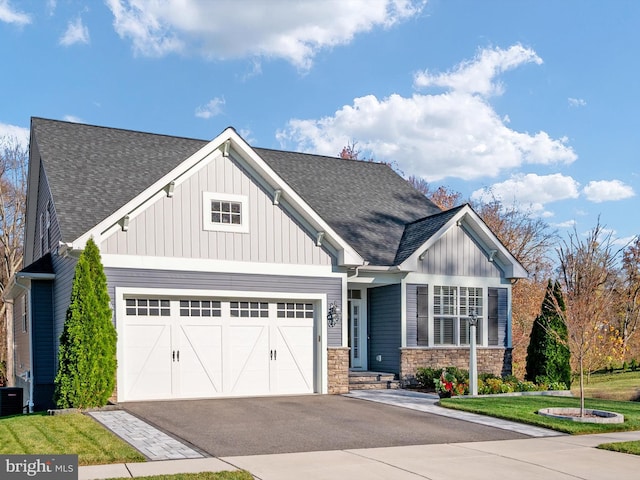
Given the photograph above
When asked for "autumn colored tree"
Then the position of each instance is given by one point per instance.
(627, 318)
(589, 277)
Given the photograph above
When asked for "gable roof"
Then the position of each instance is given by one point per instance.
(92, 171)
(367, 203)
(418, 232)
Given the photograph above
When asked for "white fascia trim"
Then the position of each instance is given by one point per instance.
(136, 205)
(219, 266)
(455, 280)
(473, 225)
(347, 256)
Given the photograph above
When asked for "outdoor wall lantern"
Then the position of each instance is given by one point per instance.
(333, 317)
(473, 359)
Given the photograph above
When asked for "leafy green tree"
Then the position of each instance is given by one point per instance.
(87, 354)
(548, 356)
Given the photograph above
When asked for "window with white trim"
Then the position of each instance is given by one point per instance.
(147, 307)
(200, 308)
(452, 307)
(249, 309)
(225, 212)
(295, 310)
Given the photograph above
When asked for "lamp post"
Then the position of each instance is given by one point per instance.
(473, 359)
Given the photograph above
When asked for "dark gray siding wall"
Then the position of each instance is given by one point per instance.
(384, 328)
(64, 269)
(166, 279)
(53, 235)
(43, 343)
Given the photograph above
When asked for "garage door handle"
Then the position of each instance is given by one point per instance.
(271, 354)
(275, 354)
(173, 356)
(178, 355)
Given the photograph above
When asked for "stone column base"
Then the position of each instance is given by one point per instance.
(338, 369)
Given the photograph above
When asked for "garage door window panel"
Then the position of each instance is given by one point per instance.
(200, 308)
(150, 307)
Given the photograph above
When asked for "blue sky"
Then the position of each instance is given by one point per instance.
(534, 101)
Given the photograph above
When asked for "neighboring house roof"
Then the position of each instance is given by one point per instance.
(418, 232)
(92, 171)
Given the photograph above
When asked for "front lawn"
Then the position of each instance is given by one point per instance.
(239, 475)
(523, 409)
(622, 447)
(64, 434)
(611, 386)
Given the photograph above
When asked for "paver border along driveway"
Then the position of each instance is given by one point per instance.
(266, 425)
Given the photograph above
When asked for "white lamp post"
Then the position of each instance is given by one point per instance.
(473, 359)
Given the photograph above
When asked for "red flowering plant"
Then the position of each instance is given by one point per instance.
(447, 385)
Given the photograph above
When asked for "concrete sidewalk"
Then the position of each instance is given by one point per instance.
(564, 457)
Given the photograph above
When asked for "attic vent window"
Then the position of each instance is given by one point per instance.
(225, 212)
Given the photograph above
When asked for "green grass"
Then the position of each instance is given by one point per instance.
(239, 475)
(622, 447)
(64, 434)
(523, 409)
(611, 386)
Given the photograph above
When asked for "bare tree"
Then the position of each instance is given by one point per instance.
(13, 181)
(588, 274)
(628, 294)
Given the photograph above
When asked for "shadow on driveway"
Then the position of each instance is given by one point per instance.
(266, 425)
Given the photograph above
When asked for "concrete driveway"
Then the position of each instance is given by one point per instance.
(267, 425)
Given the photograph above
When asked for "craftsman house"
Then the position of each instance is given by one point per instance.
(241, 271)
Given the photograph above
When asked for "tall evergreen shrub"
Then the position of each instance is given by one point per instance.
(548, 356)
(87, 354)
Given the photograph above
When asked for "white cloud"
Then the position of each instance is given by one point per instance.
(530, 190)
(566, 224)
(478, 75)
(72, 118)
(294, 31)
(577, 102)
(9, 15)
(451, 134)
(211, 109)
(13, 132)
(76, 32)
(607, 190)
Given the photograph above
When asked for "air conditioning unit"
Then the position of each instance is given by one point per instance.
(10, 401)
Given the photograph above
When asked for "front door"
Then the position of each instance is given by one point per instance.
(357, 331)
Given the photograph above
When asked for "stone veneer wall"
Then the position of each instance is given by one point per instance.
(490, 360)
(338, 369)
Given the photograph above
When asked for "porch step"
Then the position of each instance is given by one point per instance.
(372, 381)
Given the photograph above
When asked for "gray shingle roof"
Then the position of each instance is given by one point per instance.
(418, 232)
(92, 171)
(368, 204)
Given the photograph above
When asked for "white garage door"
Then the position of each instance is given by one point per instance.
(203, 348)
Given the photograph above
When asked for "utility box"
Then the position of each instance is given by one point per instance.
(10, 401)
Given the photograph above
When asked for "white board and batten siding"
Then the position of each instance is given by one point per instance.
(173, 226)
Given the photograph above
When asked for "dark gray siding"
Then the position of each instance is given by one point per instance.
(166, 279)
(64, 269)
(384, 328)
(44, 358)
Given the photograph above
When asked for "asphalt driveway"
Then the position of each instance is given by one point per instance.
(266, 425)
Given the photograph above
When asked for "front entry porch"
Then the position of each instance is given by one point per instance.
(366, 380)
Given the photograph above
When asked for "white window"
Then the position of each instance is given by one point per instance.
(200, 308)
(150, 307)
(225, 212)
(249, 309)
(452, 307)
(295, 310)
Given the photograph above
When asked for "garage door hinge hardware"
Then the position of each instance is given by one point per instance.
(274, 354)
